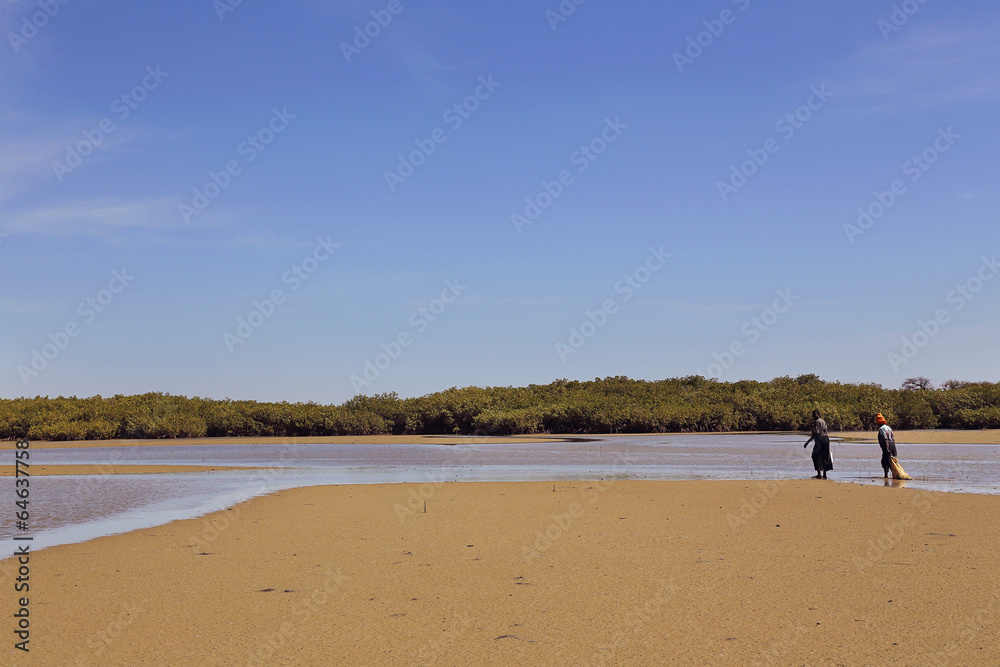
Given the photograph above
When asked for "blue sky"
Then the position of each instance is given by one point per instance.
(179, 165)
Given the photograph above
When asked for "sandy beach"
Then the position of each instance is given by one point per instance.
(570, 573)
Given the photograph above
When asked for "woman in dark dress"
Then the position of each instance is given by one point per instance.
(822, 460)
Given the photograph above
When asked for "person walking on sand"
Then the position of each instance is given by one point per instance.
(822, 460)
(886, 442)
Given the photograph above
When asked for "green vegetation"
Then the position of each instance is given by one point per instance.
(609, 405)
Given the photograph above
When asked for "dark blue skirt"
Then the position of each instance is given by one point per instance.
(822, 460)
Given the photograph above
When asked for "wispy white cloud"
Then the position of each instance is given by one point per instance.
(93, 217)
(264, 241)
(749, 307)
(926, 66)
(154, 220)
(27, 163)
(24, 159)
(7, 5)
(403, 37)
(429, 70)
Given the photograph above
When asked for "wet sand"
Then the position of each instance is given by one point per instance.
(330, 439)
(943, 436)
(626, 572)
(933, 436)
(87, 469)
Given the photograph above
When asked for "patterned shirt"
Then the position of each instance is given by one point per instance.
(885, 435)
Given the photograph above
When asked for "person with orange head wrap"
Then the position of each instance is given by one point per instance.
(886, 442)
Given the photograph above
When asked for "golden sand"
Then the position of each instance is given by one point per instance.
(566, 573)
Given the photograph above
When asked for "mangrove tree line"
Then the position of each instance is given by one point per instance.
(608, 405)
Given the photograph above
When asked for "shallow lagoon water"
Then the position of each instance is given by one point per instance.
(80, 507)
